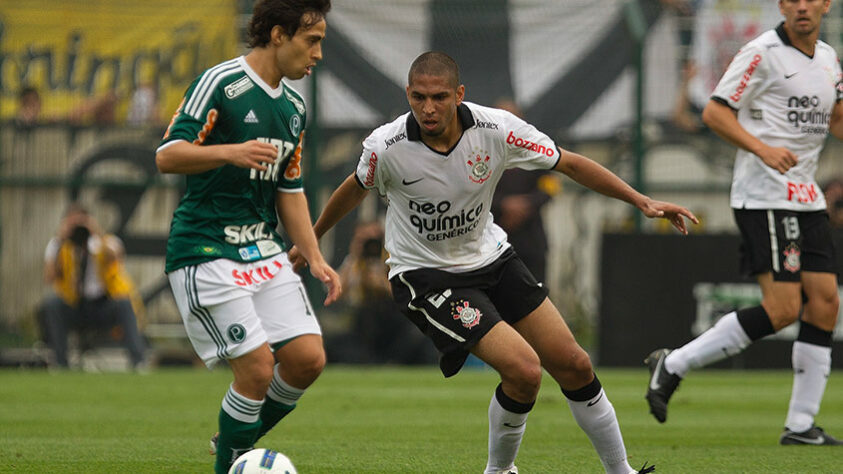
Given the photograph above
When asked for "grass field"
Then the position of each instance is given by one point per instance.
(398, 420)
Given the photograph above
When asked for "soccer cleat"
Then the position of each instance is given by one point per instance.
(644, 469)
(212, 450)
(662, 384)
(813, 436)
(512, 470)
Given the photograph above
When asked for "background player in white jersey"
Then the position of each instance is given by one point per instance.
(776, 102)
(452, 270)
(237, 138)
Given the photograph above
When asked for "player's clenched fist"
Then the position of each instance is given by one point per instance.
(253, 154)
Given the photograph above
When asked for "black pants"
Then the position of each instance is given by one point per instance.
(60, 318)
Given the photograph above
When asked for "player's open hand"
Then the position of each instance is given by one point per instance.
(253, 154)
(779, 158)
(324, 273)
(297, 259)
(672, 212)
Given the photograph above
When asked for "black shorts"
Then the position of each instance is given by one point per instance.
(785, 243)
(456, 309)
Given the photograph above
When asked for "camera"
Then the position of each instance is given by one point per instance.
(372, 247)
(79, 236)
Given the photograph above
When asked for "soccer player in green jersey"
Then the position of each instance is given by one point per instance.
(237, 136)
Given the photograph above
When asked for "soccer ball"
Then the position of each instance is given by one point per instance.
(262, 461)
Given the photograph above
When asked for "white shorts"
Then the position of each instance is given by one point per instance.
(230, 308)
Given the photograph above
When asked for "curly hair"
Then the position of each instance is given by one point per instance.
(290, 15)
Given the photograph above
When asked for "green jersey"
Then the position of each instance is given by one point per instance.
(229, 212)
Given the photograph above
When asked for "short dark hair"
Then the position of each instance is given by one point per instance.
(290, 15)
(435, 63)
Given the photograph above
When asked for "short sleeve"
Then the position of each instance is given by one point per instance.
(742, 79)
(527, 147)
(369, 167)
(196, 116)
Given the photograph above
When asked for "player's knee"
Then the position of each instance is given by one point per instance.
(580, 364)
(783, 313)
(255, 380)
(306, 366)
(524, 378)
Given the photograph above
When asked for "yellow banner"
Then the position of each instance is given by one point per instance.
(99, 60)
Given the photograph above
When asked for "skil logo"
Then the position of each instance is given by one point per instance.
(528, 145)
(480, 170)
(240, 234)
(745, 79)
(255, 275)
(488, 125)
(441, 225)
(814, 120)
(801, 192)
(396, 138)
(370, 173)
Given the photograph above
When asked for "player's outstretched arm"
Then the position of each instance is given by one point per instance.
(594, 176)
(187, 158)
(835, 126)
(292, 209)
(344, 199)
(724, 121)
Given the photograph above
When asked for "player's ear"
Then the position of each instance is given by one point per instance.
(460, 93)
(277, 36)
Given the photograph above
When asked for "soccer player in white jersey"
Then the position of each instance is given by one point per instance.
(777, 102)
(451, 268)
(238, 137)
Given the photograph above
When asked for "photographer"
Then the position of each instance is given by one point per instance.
(91, 287)
(377, 335)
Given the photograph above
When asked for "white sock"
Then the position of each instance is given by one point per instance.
(811, 367)
(597, 418)
(506, 429)
(281, 391)
(241, 408)
(724, 339)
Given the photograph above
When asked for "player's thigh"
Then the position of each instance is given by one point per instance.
(283, 307)
(822, 299)
(220, 321)
(507, 352)
(546, 331)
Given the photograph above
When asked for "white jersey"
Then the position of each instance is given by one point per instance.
(785, 99)
(438, 213)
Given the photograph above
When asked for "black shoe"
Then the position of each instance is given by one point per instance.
(644, 469)
(662, 384)
(815, 436)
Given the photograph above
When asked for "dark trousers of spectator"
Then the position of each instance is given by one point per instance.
(104, 313)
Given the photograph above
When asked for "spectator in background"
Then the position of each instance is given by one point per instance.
(143, 106)
(29, 107)
(517, 207)
(91, 287)
(101, 110)
(833, 190)
(685, 115)
(378, 332)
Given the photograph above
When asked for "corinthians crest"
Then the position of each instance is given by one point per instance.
(480, 169)
(792, 260)
(468, 316)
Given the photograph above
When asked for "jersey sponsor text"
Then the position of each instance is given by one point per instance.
(528, 145)
(745, 79)
(440, 225)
